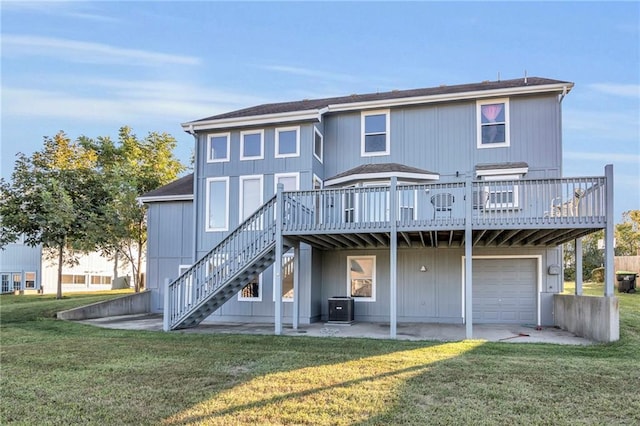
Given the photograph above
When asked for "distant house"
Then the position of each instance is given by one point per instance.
(443, 205)
(24, 269)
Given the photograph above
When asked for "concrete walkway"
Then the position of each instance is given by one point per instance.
(406, 331)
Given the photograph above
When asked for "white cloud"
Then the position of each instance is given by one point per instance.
(307, 72)
(59, 8)
(604, 124)
(625, 90)
(87, 52)
(115, 101)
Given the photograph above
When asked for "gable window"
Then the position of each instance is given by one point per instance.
(375, 133)
(218, 147)
(252, 292)
(361, 278)
(493, 123)
(287, 142)
(217, 204)
(251, 145)
(318, 144)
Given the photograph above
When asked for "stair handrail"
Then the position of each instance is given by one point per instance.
(222, 262)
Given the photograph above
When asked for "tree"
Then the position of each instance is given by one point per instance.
(628, 234)
(55, 198)
(132, 167)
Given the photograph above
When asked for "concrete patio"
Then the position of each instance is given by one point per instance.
(406, 331)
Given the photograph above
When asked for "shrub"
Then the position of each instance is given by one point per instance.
(597, 275)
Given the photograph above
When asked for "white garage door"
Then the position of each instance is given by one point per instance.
(504, 291)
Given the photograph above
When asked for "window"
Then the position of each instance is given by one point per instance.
(218, 147)
(251, 145)
(217, 204)
(361, 278)
(252, 292)
(29, 280)
(182, 269)
(375, 133)
(5, 283)
(17, 281)
(319, 207)
(288, 180)
(407, 204)
(250, 195)
(100, 279)
(74, 279)
(288, 266)
(287, 142)
(502, 196)
(318, 144)
(493, 123)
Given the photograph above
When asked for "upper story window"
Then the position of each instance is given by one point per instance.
(493, 123)
(252, 145)
(217, 204)
(318, 144)
(375, 133)
(218, 147)
(288, 142)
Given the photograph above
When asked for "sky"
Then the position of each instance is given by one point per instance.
(89, 68)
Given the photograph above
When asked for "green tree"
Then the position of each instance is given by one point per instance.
(628, 234)
(55, 198)
(132, 167)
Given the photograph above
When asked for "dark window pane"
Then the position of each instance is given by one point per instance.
(317, 147)
(252, 146)
(493, 133)
(375, 143)
(375, 123)
(251, 290)
(218, 147)
(287, 142)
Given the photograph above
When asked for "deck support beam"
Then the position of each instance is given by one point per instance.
(277, 267)
(393, 261)
(296, 286)
(578, 255)
(608, 233)
(468, 262)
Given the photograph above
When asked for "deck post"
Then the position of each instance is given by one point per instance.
(165, 312)
(608, 233)
(393, 260)
(296, 286)
(578, 255)
(468, 255)
(277, 267)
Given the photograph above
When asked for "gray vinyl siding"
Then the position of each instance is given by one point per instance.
(169, 245)
(443, 138)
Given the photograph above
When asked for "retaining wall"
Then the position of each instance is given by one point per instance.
(137, 303)
(594, 318)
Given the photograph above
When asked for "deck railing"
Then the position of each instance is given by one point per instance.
(231, 256)
(518, 202)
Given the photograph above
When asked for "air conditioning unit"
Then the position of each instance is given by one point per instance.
(341, 310)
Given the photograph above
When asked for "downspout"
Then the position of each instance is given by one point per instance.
(194, 202)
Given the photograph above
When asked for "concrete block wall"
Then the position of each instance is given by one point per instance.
(594, 318)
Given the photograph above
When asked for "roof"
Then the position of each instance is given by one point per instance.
(381, 171)
(320, 104)
(180, 189)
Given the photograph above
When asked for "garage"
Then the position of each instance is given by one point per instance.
(505, 291)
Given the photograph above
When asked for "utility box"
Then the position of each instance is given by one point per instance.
(341, 310)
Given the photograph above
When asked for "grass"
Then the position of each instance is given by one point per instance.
(56, 372)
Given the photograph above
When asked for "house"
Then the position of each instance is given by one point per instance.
(443, 205)
(20, 267)
(24, 269)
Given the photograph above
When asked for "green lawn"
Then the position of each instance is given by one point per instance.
(55, 372)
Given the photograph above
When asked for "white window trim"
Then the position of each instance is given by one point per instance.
(241, 193)
(276, 176)
(287, 129)
(414, 206)
(503, 206)
(365, 114)
(252, 132)
(182, 269)
(217, 135)
(373, 279)
(317, 132)
(252, 299)
(507, 123)
(226, 212)
(317, 179)
(284, 299)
